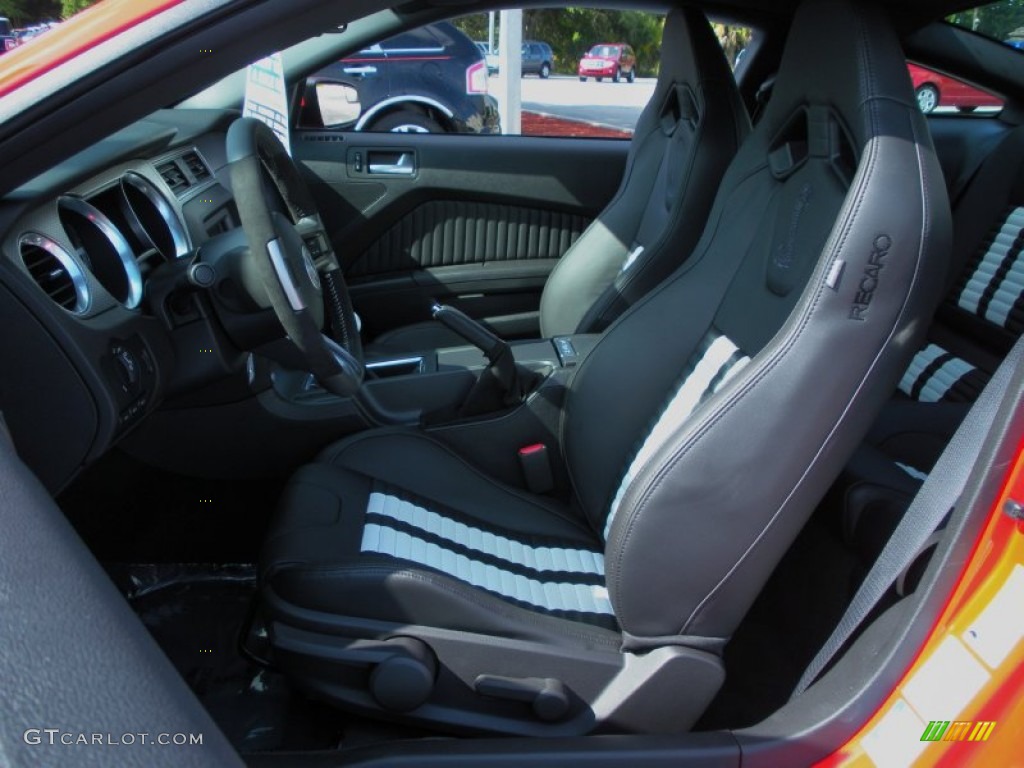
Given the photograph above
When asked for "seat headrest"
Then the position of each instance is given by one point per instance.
(689, 51)
(843, 72)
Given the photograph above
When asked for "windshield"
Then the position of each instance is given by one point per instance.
(605, 51)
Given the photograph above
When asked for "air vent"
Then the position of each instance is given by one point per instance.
(174, 176)
(196, 166)
(55, 272)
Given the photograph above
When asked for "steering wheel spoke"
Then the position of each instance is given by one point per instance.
(291, 266)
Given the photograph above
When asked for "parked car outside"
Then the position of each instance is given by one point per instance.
(538, 58)
(7, 38)
(432, 79)
(613, 60)
(491, 57)
(22, 36)
(936, 90)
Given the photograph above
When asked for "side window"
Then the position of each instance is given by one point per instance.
(940, 92)
(585, 73)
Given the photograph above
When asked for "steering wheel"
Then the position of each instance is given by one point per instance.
(280, 271)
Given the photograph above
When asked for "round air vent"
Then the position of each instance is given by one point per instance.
(55, 272)
(103, 249)
(152, 218)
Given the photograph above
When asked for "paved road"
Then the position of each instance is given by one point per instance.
(616, 105)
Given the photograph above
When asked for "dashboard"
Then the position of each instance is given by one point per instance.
(98, 287)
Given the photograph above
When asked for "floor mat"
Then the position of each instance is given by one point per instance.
(196, 614)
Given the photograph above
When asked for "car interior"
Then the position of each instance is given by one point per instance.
(534, 451)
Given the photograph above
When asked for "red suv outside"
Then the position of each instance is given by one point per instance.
(614, 60)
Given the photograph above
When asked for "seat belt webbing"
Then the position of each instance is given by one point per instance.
(936, 497)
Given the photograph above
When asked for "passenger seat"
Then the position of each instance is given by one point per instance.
(974, 328)
(684, 140)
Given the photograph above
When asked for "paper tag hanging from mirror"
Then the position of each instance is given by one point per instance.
(265, 97)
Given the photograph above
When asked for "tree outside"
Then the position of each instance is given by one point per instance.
(733, 40)
(1001, 21)
(25, 12)
(70, 7)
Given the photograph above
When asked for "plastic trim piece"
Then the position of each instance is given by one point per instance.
(284, 276)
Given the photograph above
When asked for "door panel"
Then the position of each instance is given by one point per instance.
(477, 221)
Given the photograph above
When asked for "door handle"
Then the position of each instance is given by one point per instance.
(392, 163)
(361, 71)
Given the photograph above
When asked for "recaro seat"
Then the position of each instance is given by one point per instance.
(975, 327)
(400, 579)
(682, 144)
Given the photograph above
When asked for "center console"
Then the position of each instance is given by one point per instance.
(412, 388)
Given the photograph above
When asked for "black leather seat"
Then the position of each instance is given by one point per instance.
(974, 328)
(699, 433)
(682, 144)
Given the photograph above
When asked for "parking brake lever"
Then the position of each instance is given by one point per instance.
(495, 349)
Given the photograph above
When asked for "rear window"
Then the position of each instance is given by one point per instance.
(413, 41)
(5, 27)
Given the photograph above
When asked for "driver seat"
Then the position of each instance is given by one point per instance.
(403, 580)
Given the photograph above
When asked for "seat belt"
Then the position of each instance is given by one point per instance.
(940, 492)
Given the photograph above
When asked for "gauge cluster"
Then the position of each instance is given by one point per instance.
(94, 247)
(92, 299)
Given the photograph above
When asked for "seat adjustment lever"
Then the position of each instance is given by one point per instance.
(548, 697)
(403, 669)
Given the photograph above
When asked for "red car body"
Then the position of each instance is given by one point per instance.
(937, 90)
(608, 60)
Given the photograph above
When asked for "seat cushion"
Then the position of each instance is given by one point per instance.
(363, 533)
